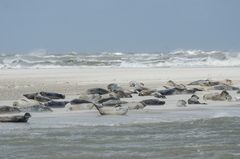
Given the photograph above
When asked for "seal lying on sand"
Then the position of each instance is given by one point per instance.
(52, 95)
(106, 110)
(97, 91)
(25, 103)
(174, 91)
(146, 92)
(173, 84)
(137, 86)
(79, 104)
(223, 96)
(36, 108)
(8, 109)
(44, 96)
(28, 105)
(113, 87)
(181, 103)
(37, 97)
(152, 102)
(194, 100)
(204, 83)
(224, 87)
(56, 104)
(15, 118)
(113, 103)
(158, 95)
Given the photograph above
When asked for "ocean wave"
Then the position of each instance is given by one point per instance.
(179, 58)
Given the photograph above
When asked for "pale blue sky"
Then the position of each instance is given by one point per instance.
(119, 25)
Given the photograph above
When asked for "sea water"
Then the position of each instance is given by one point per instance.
(200, 134)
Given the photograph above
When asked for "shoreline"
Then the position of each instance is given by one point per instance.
(73, 82)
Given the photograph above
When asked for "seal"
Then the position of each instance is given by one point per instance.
(100, 91)
(105, 110)
(113, 102)
(152, 102)
(79, 104)
(8, 109)
(158, 95)
(52, 95)
(37, 97)
(223, 96)
(181, 103)
(24, 102)
(113, 87)
(194, 100)
(205, 83)
(174, 91)
(15, 118)
(36, 108)
(224, 87)
(56, 104)
(146, 92)
(173, 84)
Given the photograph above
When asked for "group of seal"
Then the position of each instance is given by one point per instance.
(109, 100)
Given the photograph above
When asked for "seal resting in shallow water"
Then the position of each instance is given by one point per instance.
(15, 118)
(8, 109)
(106, 110)
(181, 103)
(223, 96)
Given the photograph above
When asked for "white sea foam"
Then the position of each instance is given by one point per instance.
(179, 58)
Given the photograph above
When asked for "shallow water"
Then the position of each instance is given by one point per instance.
(168, 134)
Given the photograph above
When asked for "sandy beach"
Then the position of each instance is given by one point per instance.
(165, 130)
(74, 82)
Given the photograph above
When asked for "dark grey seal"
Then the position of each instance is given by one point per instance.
(225, 87)
(100, 91)
(56, 104)
(153, 102)
(174, 91)
(79, 101)
(194, 100)
(52, 95)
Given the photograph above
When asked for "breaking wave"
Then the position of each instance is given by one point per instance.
(179, 58)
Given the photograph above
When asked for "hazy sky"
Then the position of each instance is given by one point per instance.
(119, 25)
